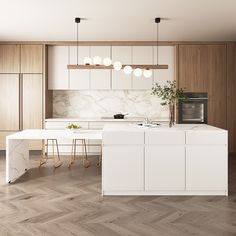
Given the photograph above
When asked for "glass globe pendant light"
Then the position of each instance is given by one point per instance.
(147, 73)
(128, 70)
(107, 61)
(87, 61)
(138, 72)
(117, 65)
(97, 60)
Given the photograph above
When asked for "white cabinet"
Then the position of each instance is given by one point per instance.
(123, 168)
(142, 55)
(120, 80)
(164, 167)
(206, 167)
(166, 56)
(58, 74)
(79, 78)
(100, 79)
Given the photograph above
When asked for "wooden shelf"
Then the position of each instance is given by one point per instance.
(111, 67)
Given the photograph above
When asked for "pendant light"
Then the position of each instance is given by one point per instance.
(77, 21)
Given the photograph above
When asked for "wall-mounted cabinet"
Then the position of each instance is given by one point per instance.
(58, 74)
(60, 78)
(120, 80)
(31, 59)
(9, 59)
(100, 79)
(79, 79)
(166, 55)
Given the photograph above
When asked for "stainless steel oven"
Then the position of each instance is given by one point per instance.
(193, 109)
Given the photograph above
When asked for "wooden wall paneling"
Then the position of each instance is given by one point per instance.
(231, 95)
(9, 102)
(31, 59)
(10, 58)
(215, 68)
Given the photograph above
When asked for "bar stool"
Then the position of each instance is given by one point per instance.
(86, 162)
(44, 155)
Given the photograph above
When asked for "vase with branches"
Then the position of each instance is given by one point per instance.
(170, 95)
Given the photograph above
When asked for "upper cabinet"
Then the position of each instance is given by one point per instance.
(78, 78)
(9, 58)
(166, 56)
(100, 79)
(58, 74)
(31, 59)
(142, 55)
(120, 80)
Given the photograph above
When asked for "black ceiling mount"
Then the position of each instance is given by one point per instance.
(157, 19)
(77, 20)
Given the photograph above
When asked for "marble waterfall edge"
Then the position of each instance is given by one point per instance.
(106, 103)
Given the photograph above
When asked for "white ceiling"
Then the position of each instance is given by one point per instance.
(114, 20)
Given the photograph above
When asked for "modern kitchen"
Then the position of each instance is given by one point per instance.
(117, 124)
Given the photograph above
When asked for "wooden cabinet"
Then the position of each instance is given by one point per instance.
(32, 101)
(79, 78)
(202, 68)
(31, 59)
(58, 74)
(142, 55)
(100, 79)
(10, 102)
(164, 167)
(9, 58)
(123, 168)
(32, 105)
(120, 80)
(231, 95)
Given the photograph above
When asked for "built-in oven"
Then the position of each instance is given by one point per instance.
(193, 108)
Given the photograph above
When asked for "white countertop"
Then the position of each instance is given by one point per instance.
(55, 134)
(104, 119)
(162, 127)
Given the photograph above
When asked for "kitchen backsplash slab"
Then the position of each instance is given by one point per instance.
(106, 103)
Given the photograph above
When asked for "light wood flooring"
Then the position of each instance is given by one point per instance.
(68, 202)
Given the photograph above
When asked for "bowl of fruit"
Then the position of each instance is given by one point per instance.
(73, 127)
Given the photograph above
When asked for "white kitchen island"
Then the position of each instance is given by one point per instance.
(182, 160)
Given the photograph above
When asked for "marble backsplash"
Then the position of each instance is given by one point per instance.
(106, 103)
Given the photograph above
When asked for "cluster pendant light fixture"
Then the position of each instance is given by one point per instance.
(106, 63)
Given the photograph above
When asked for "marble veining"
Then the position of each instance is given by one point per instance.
(106, 103)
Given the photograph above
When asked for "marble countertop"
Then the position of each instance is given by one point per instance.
(105, 119)
(162, 127)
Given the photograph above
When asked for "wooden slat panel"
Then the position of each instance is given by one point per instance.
(31, 59)
(9, 102)
(9, 58)
(231, 95)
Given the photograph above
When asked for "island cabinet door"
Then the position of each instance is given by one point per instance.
(123, 168)
(206, 167)
(164, 168)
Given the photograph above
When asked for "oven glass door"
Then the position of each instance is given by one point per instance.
(193, 112)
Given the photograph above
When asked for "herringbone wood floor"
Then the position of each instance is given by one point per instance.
(68, 202)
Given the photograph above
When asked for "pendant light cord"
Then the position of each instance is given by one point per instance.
(77, 44)
(157, 44)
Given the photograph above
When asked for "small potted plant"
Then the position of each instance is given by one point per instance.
(170, 96)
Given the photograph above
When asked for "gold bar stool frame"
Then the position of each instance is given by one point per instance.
(86, 162)
(44, 155)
